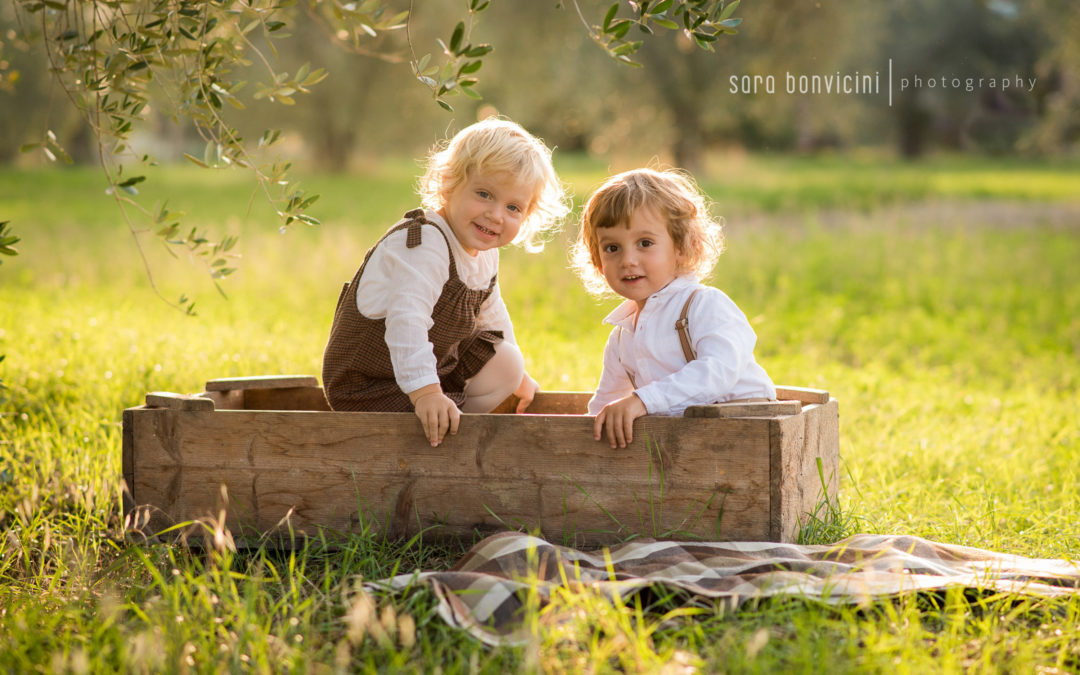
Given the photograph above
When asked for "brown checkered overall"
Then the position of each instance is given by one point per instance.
(357, 372)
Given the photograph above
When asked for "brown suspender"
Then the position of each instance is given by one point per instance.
(683, 328)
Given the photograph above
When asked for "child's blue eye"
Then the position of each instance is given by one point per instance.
(483, 194)
(514, 207)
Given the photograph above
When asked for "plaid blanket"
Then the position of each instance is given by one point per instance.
(485, 591)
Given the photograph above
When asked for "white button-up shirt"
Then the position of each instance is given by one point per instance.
(402, 285)
(648, 354)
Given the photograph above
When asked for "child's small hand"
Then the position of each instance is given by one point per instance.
(617, 418)
(526, 392)
(438, 414)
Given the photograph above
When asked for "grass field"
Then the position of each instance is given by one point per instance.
(940, 303)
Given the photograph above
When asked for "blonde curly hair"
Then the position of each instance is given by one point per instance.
(699, 239)
(499, 146)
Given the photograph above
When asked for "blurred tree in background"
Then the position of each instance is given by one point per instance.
(127, 65)
(29, 103)
(967, 38)
(550, 77)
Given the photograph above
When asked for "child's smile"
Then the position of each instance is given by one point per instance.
(486, 210)
(638, 258)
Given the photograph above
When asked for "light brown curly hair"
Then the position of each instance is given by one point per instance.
(698, 238)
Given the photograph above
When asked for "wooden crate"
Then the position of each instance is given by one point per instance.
(289, 465)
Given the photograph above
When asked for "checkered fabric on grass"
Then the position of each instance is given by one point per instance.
(485, 592)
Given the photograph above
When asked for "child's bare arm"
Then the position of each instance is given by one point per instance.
(526, 392)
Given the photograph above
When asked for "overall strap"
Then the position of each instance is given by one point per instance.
(414, 220)
(413, 239)
(683, 326)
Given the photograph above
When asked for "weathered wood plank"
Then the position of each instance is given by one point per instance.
(716, 478)
(314, 398)
(528, 470)
(227, 400)
(550, 403)
(127, 461)
(822, 441)
(286, 398)
(801, 394)
(796, 446)
(757, 409)
(262, 382)
(167, 399)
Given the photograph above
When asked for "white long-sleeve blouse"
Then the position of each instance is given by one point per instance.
(645, 357)
(402, 285)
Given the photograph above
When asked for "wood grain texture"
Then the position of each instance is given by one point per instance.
(549, 403)
(757, 409)
(262, 382)
(312, 397)
(127, 461)
(797, 444)
(286, 398)
(801, 394)
(709, 480)
(167, 399)
(713, 478)
(228, 400)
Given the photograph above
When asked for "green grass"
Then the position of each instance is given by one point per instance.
(783, 183)
(939, 303)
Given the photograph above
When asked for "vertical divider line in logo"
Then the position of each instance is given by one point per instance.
(890, 83)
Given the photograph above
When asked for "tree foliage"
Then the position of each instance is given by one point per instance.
(112, 57)
(7, 241)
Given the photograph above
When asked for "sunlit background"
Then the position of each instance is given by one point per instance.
(913, 249)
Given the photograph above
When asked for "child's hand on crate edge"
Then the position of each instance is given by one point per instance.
(617, 420)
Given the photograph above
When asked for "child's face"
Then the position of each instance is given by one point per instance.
(638, 259)
(486, 211)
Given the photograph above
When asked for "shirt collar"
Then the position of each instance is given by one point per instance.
(436, 217)
(623, 315)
